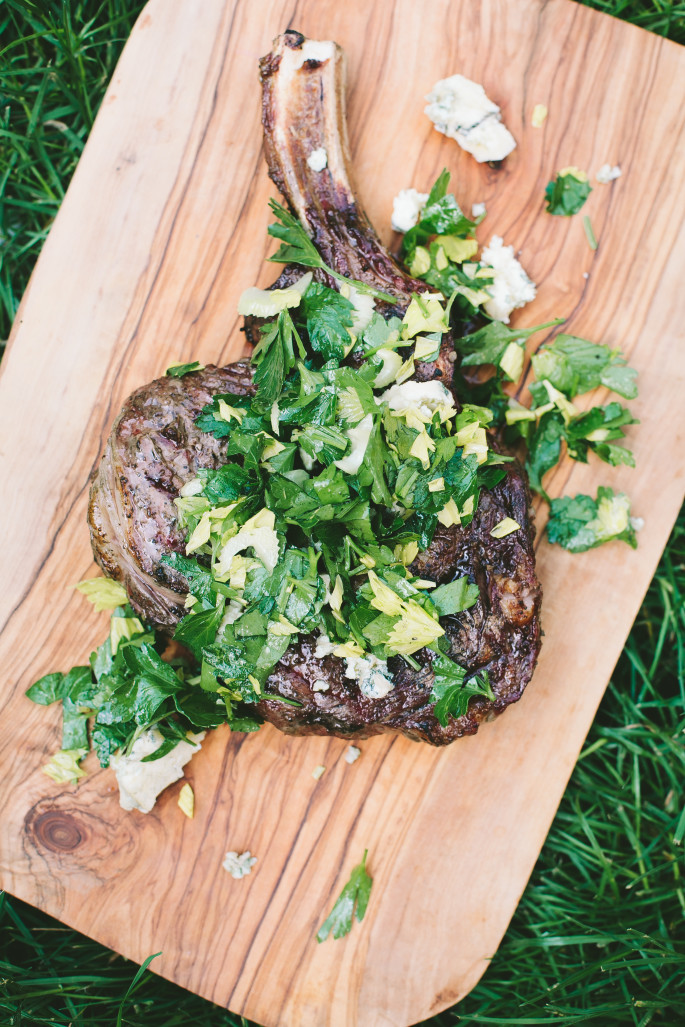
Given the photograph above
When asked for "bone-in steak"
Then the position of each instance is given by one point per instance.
(155, 448)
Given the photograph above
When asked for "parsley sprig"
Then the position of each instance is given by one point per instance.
(297, 248)
(352, 902)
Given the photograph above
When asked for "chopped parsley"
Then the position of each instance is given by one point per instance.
(297, 248)
(581, 522)
(441, 250)
(126, 688)
(333, 485)
(589, 233)
(179, 370)
(567, 193)
(352, 902)
(575, 366)
(338, 470)
(452, 693)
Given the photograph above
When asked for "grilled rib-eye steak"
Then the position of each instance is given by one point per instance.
(155, 447)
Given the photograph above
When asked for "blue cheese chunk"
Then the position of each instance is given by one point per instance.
(371, 674)
(140, 783)
(460, 109)
(239, 864)
(406, 209)
(511, 287)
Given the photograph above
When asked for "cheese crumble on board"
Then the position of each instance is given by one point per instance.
(607, 173)
(239, 864)
(460, 109)
(511, 287)
(406, 209)
(140, 783)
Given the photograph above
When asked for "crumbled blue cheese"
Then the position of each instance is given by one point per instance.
(320, 685)
(239, 865)
(352, 754)
(406, 209)
(140, 783)
(460, 109)
(477, 209)
(324, 647)
(318, 159)
(511, 287)
(607, 173)
(370, 674)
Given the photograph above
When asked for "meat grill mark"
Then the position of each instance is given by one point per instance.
(155, 447)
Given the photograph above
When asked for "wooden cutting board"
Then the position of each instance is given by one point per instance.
(163, 226)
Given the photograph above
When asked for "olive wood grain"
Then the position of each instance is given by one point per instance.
(163, 226)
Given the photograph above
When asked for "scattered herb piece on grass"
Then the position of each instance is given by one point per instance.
(352, 901)
(567, 193)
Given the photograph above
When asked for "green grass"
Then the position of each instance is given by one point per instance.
(599, 936)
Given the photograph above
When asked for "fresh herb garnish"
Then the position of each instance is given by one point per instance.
(581, 522)
(297, 248)
(567, 193)
(352, 902)
(499, 345)
(452, 693)
(179, 370)
(575, 366)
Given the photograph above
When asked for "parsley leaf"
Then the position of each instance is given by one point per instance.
(595, 430)
(297, 248)
(52, 687)
(441, 215)
(352, 901)
(274, 356)
(580, 522)
(199, 629)
(490, 344)
(179, 370)
(575, 366)
(544, 449)
(455, 596)
(567, 193)
(451, 694)
(328, 316)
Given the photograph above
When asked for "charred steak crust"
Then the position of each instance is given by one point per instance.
(500, 634)
(154, 448)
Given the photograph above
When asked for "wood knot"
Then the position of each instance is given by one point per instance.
(58, 831)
